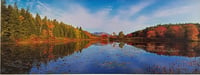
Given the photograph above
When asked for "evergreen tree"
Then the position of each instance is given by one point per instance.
(38, 24)
(19, 24)
(121, 34)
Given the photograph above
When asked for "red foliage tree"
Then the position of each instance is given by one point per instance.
(141, 34)
(113, 37)
(151, 34)
(129, 35)
(161, 30)
(104, 36)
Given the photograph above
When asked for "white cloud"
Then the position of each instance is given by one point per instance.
(176, 11)
(169, 14)
(134, 9)
(78, 15)
(177, 14)
(101, 20)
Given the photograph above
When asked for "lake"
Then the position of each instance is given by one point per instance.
(93, 57)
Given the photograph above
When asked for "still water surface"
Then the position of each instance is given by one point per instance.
(101, 57)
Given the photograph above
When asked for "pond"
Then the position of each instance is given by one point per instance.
(89, 57)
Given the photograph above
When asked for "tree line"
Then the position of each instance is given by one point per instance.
(188, 31)
(20, 24)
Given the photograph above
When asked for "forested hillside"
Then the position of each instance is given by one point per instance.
(189, 31)
(19, 24)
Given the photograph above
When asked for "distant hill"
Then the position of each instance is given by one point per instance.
(100, 33)
(189, 31)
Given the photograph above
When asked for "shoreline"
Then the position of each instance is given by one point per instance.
(43, 41)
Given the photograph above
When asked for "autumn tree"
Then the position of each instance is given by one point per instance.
(21, 24)
(177, 32)
(160, 31)
(121, 34)
(129, 35)
(104, 36)
(188, 31)
(151, 34)
(50, 26)
(192, 32)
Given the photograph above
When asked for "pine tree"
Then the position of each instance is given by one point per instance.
(19, 24)
(39, 24)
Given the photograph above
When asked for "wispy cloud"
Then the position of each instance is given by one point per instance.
(186, 9)
(103, 20)
(177, 14)
(134, 9)
(168, 14)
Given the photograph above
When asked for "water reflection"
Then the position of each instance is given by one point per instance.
(121, 44)
(101, 57)
(20, 58)
(189, 49)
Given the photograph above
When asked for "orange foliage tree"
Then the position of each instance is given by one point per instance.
(176, 32)
(21, 18)
(192, 32)
(50, 26)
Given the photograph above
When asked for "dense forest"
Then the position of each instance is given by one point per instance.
(187, 32)
(19, 24)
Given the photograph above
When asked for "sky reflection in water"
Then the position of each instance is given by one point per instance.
(111, 58)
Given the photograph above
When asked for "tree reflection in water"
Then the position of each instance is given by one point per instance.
(20, 58)
(189, 49)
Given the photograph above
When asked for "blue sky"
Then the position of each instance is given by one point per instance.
(115, 15)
